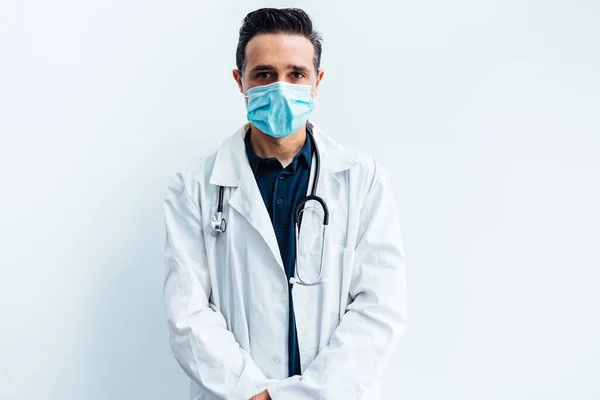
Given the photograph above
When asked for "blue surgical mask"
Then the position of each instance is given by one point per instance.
(280, 108)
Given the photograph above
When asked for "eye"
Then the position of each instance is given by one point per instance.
(297, 75)
(263, 75)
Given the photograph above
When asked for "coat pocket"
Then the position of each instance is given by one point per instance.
(320, 308)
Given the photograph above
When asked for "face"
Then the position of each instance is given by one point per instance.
(278, 57)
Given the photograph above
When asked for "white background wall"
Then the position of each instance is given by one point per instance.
(486, 112)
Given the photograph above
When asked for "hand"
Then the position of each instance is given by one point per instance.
(261, 396)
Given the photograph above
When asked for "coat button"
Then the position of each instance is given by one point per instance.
(277, 360)
(280, 201)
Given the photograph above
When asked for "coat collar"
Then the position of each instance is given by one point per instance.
(232, 169)
(231, 164)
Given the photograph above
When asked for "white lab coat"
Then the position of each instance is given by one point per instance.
(226, 298)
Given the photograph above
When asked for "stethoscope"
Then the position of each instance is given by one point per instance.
(219, 224)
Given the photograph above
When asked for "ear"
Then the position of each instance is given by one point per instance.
(319, 78)
(237, 75)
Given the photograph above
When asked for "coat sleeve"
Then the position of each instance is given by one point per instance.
(360, 347)
(201, 343)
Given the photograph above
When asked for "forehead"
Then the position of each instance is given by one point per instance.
(279, 50)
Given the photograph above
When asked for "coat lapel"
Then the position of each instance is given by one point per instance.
(231, 169)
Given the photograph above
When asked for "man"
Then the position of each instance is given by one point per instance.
(255, 312)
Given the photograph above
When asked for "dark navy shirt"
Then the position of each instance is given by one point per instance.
(281, 189)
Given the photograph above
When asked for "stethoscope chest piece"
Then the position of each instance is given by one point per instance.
(218, 224)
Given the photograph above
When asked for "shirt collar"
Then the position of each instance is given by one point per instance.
(304, 155)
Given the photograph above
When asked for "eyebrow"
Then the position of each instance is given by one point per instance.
(301, 68)
(271, 68)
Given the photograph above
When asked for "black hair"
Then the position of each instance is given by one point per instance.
(293, 21)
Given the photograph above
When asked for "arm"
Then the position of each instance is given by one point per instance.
(360, 347)
(200, 341)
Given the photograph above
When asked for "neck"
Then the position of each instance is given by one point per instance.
(283, 149)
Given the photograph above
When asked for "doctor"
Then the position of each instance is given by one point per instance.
(270, 294)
